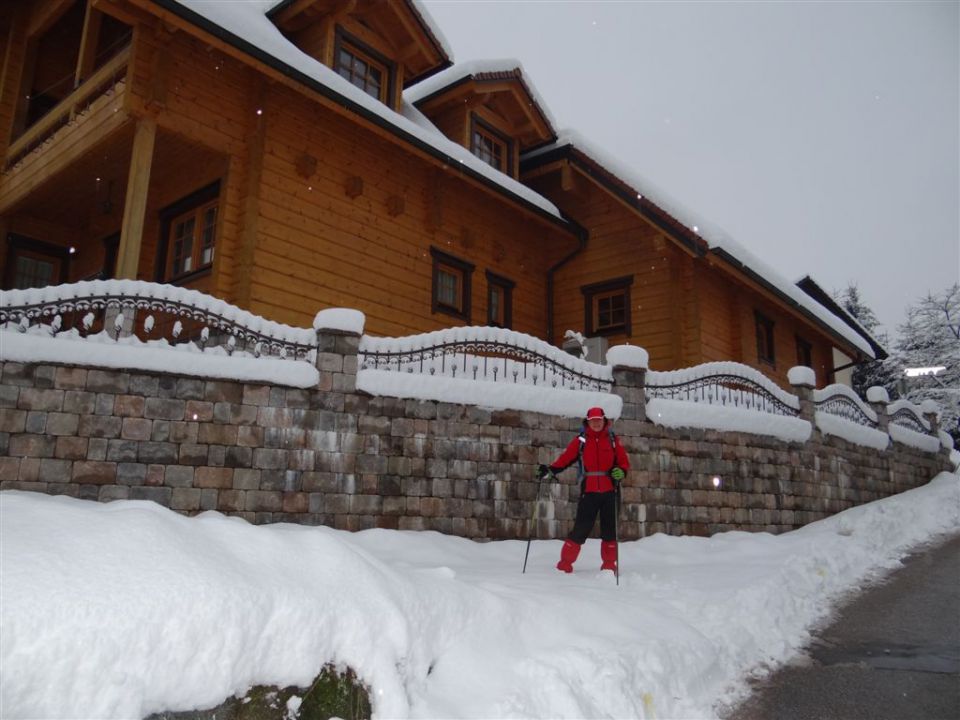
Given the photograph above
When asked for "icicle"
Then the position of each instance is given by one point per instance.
(177, 329)
(231, 344)
(117, 325)
(148, 324)
(88, 321)
(257, 349)
(24, 324)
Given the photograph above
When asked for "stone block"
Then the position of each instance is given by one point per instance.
(35, 446)
(9, 469)
(155, 475)
(163, 453)
(258, 395)
(104, 403)
(109, 493)
(62, 423)
(136, 429)
(231, 500)
(213, 477)
(55, 471)
(249, 436)
(8, 396)
(235, 457)
(40, 399)
(88, 472)
(36, 422)
(217, 456)
(319, 482)
(185, 499)
(29, 470)
(131, 473)
(264, 501)
(68, 378)
(213, 434)
(108, 381)
(296, 502)
(198, 411)
(217, 391)
(183, 432)
(164, 409)
(96, 448)
(190, 389)
(146, 385)
(129, 406)
(267, 459)
(375, 464)
(13, 421)
(193, 454)
(232, 414)
(365, 504)
(159, 495)
(336, 503)
(99, 426)
(246, 479)
(122, 451)
(17, 374)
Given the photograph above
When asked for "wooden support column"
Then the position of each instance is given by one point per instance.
(256, 139)
(135, 206)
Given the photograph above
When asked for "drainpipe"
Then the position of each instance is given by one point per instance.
(582, 236)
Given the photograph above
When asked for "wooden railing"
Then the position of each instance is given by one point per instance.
(105, 80)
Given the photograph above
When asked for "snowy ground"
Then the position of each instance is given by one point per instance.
(124, 609)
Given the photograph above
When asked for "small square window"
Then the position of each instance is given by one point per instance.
(34, 264)
(363, 67)
(499, 301)
(451, 285)
(766, 348)
(607, 307)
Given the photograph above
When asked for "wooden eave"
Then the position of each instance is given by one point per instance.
(677, 232)
(179, 16)
(673, 229)
(811, 288)
(397, 21)
(504, 93)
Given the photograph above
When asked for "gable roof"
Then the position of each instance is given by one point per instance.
(811, 288)
(244, 25)
(690, 230)
(483, 71)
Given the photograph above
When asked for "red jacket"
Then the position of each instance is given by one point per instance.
(598, 457)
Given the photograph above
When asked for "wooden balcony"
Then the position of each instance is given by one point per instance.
(91, 112)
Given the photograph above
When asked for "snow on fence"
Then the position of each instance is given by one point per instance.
(726, 384)
(484, 354)
(152, 314)
(842, 402)
(908, 415)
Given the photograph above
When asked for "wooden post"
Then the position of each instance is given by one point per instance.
(88, 45)
(135, 205)
(256, 147)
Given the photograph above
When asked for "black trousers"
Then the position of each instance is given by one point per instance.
(587, 509)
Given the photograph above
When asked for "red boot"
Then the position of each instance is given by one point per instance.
(608, 553)
(568, 556)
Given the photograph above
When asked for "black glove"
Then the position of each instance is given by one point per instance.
(543, 472)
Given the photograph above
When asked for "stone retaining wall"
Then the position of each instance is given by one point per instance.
(336, 457)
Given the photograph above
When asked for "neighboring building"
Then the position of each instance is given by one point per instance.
(325, 153)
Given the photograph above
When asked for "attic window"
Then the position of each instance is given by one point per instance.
(451, 285)
(766, 348)
(363, 67)
(490, 146)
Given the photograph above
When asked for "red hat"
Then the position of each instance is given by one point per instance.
(595, 412)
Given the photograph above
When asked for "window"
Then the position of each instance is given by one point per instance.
(804, 353)
(765, 346)
(188, 231)
(499, 301)
(34, 264)
(490, 146)
(364, 67)
(607, 307)
(451, 285)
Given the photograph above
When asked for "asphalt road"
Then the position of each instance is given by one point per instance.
(892, 652)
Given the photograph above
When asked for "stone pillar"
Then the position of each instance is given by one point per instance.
(338, 344)
(629, 384)
(803, 381)
(879, 399)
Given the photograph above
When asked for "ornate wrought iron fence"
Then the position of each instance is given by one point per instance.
(151, 312)
(905, 416)
(506, 357)
(725, 387)
(838, 401)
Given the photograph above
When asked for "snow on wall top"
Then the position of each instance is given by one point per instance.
(459, 71)
(247, 21)
(716, 237)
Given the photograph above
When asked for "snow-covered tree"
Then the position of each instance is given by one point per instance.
(930, 337)
(884, 373)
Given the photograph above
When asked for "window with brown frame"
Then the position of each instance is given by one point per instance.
(490, 146)
(804, 353)
(188, 235)
(607, 307)
(364, 67)
(451, 285)
(499, 300)
(766, 348)
(34, 264)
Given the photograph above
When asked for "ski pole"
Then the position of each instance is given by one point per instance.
(616, 536)
(533, 519)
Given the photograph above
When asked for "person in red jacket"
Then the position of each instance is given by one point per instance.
(603, 464)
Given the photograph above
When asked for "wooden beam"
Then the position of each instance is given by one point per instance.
(159, 70)
(14, 57)
(88, 45)
(135, 205)
(45, 14)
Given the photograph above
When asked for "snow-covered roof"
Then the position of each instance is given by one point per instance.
(718, 240)
(244, 24)
(480, 70)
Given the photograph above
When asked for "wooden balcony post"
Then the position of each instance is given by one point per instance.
(135, 206)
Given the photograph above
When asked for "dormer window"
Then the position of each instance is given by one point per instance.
(363, 67)
(490, 146)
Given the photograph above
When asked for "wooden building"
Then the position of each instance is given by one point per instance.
(326, 153)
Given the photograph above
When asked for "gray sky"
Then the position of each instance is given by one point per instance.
(822, 136)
